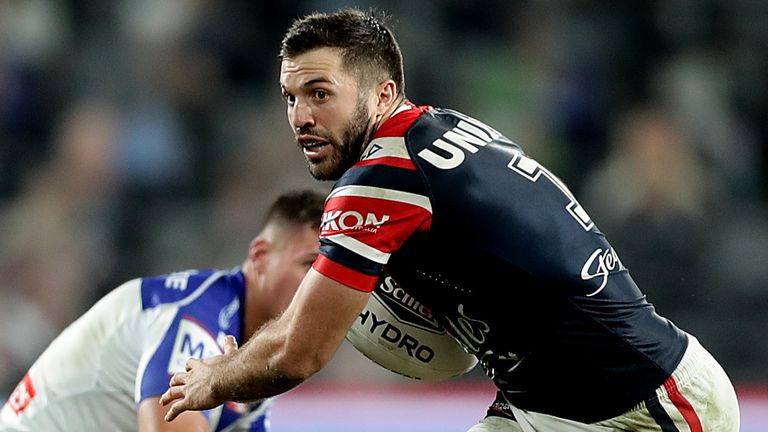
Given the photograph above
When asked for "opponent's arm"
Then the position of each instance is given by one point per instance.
(151, 418)
(283, 354)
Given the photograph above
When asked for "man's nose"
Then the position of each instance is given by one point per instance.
(301, 116)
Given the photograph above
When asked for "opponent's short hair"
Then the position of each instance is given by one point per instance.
(297, 208)
(368, 47)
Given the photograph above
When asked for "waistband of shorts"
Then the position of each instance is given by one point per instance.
(682, 373)
(684, 370)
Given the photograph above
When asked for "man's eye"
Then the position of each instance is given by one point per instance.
(290, 99)
(321, 94)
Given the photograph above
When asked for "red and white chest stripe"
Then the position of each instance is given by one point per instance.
(388, 151)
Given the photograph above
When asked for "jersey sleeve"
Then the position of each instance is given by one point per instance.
(375, 207)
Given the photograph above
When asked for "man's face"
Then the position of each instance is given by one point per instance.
(290, 257)
(330, 118)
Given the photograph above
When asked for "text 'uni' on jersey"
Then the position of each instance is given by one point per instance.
(125, 349)
(507, 259)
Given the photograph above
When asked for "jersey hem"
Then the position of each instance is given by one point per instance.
(344, 275)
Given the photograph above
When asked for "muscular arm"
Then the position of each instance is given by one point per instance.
(280, 356)
(151, 415)
(292, 348)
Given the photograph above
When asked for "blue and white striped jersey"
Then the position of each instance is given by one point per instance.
(125, 349)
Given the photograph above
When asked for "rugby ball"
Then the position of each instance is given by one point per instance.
(399, 333)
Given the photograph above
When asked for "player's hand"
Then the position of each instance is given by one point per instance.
(192, 389)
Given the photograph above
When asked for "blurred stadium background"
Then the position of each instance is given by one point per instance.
(140, 137)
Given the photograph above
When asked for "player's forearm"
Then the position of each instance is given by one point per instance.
(262, 368)
(293, 347)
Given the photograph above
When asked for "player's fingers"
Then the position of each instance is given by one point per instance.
(175, 410)
(170, 395)
(230, 344)
(178, 379)
(190, 364)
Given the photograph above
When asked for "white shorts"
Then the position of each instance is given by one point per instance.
(698, 397)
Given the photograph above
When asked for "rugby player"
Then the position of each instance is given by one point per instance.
(493, 242)
(107, 370)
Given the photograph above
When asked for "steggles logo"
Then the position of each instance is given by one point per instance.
(600, 265)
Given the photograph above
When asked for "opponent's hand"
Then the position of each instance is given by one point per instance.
(192, 389)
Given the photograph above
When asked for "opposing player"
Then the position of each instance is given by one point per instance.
(107, 370)
(472, 227)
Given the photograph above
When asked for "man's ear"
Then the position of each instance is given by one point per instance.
(258, 252)
(386, 95)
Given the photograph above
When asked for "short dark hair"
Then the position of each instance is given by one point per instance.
(368, 47)
(301, 207)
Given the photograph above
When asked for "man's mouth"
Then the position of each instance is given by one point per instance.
(311, 144)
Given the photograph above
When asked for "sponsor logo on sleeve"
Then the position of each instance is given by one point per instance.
(179, 280)
(192, 340)
(600, 265)
(470, 331)
(228, 312)
(22, 395)
(350, 220)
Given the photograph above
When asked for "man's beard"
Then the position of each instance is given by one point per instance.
(347, 152)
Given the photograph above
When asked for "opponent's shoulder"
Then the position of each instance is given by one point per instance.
(188, 322)
(184, 286)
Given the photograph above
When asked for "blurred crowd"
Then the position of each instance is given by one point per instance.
(141, 137)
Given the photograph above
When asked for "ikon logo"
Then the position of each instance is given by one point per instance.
(600, 265)
(351, 220)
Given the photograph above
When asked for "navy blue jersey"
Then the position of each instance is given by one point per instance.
(506, 258)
